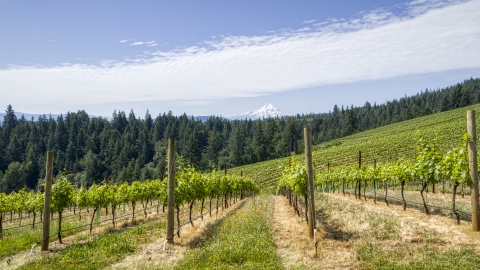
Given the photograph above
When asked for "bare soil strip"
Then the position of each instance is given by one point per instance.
(152, 255)
(345, 226)
(291, 235)
(443, 226)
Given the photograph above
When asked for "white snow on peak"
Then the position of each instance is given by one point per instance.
(267, 111)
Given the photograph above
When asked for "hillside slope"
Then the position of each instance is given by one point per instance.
(384, 144)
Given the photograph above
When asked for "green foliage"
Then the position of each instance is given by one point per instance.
(454, 165)
(429, 166)
(15, 177)
(294, 177)
(34, 202)
(62, 194)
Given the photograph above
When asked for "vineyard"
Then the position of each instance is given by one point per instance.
(429, 168)
(434, 164)
(80, 208)
(385, 145)
(397, 197)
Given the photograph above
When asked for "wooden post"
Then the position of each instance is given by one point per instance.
(171, 190)
(472, 165)
(374, 183)
(310, 174)
(225, 168)
(106, 178)
(47, 200)
(359, 181)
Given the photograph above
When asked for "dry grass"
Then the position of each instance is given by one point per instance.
(152, 255)
(413, 221)
(391, 234)
(295, 247)
(358, 234)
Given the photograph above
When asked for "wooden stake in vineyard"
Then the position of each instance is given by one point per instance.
(359, 181)
(374, 183)
(171, 190)
(47, 201)
(310, 174)
(225, 200)
(472, 165)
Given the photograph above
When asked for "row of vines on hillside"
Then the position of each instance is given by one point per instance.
(190, 186)
(430, 167)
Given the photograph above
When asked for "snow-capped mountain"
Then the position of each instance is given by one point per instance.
(266, 111)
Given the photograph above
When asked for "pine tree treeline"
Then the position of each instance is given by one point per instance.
(130, 148)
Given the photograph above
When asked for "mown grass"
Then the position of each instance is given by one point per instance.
(16, 240)
(21, 239)
(111, 246)
(244, 240)
(372, 257)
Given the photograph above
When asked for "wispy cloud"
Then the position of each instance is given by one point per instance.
(124, 40)
(423, 36)
(309, 21)
(136, 43)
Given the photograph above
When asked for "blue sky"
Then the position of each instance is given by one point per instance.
(226, 57)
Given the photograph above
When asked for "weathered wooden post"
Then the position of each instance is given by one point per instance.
(47, 201)
(171, 191)
(310, 174)
(225, 200)
(359, 181)
(374, 183)
(472, 165)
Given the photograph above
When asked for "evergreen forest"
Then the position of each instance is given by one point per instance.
(130, 147)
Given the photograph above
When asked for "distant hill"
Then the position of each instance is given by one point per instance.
(202, 118)
(28, 116)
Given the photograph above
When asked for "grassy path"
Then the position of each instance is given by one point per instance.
(111, 246)
(242, 241)
(137, 245)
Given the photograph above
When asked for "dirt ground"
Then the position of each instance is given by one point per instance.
(297, 249)
(153, 255)
(443, 226)
(345, 223)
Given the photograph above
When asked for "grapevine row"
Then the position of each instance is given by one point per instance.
(190, 187)
(430, 167)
